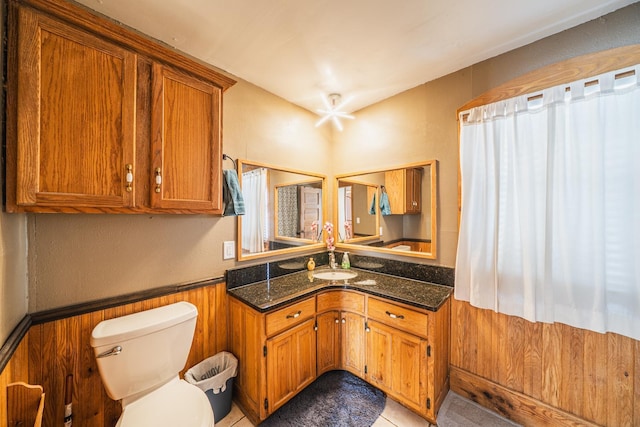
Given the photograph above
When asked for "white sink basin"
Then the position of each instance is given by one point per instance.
(334, 274)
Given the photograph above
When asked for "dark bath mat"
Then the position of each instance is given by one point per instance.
(335, 399)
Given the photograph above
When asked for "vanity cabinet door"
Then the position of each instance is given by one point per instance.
(186, 142)
(397, 364)
(71, 117)
(409, 374)
(353, 342)
(378, 355)
(328, 341)
(291, 363)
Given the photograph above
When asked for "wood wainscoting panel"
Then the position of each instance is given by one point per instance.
(17, 369)
(538, 373)
(511, 404)
(55, 349)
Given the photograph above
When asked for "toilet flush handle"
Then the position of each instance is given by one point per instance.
(113, 352)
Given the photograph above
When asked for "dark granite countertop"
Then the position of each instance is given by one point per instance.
(276, 292)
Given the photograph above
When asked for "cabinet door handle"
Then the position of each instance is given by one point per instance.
(394, 316)
(337, 320)
(344, 320)
(158, 179)
(294, 315)
(129, 177)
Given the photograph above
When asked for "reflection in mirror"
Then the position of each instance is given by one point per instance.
(297, 207)
(401, 201)
(357, 218)
(280, 206)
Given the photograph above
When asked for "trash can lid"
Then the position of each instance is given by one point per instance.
(177, 403)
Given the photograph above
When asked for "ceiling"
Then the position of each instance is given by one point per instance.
(366, 50)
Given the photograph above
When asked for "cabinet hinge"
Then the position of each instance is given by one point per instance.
(428, 403)
(428, 351)
(266, 403)
(264, 351)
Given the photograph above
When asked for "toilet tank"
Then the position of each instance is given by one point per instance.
(141, 351)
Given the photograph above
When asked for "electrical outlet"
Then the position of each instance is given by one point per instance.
(229, 250)
(357, 220)
(381, 231)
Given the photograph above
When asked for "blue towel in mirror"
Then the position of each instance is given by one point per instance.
(372, 209)
(231, 194)
(385, 208)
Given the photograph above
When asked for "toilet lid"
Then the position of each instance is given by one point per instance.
(177, 403)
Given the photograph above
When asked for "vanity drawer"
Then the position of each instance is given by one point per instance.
(341, 300)
(291, 315)
(398, 316)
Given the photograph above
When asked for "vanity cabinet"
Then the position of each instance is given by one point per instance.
(397, 364)
(98, 122)
(407, 353)
(404, 189)
(276, 353)
(291, 363)
(401, 349)
(346, 332)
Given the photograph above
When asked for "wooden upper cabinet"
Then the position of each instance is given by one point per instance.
(186, 142)
(96, 122)
(404, 189)
(75, 112)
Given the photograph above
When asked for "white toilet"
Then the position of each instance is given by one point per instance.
(140, 356)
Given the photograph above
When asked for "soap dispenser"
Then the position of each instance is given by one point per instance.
(345, 261)
(311, 264)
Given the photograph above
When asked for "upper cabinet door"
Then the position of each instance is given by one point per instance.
(186, 142)
(74, 118)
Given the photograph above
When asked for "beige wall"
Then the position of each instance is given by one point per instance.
(416, 125)
(78, 258)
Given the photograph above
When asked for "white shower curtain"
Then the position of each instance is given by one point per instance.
(550, 201)
(254, 191)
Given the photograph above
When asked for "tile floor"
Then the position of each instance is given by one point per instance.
(467, 414)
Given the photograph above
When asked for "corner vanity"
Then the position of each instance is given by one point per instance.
(393, 332)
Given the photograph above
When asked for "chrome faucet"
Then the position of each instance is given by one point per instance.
(332, 260)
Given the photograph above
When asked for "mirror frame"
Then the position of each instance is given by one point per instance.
(433, 166)
(303, 248)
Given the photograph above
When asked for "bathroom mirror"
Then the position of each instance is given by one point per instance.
(401, 201)
(281, 205)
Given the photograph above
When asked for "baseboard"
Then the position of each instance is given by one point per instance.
(510, 404)
(13, 341)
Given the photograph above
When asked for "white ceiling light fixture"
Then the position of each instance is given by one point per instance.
(332, 110)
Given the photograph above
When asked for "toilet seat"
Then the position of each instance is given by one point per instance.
(176, 403)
